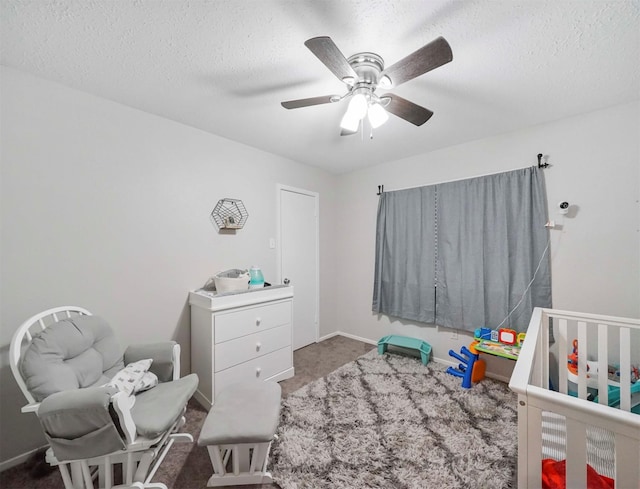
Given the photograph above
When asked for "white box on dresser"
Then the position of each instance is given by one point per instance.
(240, 336)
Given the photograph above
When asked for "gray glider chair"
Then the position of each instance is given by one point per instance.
(72, 372)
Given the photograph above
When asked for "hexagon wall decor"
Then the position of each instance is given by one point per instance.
(229, 214)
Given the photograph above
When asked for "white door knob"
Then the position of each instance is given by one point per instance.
(258, 371)
(258, 321)
(258, 346)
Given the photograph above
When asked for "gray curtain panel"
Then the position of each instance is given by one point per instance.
(491, 238)
(462, 254)
(404, 284)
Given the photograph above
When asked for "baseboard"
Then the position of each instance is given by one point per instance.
(20, 459)
(347, 335)
(327, 336)
(500, 378)
(202, 400)
(445, 361)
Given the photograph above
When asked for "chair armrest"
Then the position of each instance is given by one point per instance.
(165, 356)
(78, 423)
(77, 399)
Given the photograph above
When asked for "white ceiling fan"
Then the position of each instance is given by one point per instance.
(364, 73)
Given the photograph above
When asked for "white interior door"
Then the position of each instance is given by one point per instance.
(299, 259)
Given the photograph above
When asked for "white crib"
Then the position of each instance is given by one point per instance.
(553, 423)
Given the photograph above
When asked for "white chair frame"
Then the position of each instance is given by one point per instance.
(141, 457)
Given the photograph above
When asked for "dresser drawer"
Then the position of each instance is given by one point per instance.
(260, 368)
(252, 320)
(251, 346)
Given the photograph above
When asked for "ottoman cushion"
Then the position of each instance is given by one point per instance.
(246, 412)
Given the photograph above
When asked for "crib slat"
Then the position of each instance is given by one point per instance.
(627, 456)
(603, 362)
(562, 355)
(577, 454)
(625, 369)
(582, 359)
(544, 351)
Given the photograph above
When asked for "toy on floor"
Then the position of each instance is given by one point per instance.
(471, 369)
(502, 342)
(405, 342)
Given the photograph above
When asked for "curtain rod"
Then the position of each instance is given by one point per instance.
(540, 165)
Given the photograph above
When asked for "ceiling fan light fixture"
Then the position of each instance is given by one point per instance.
(377, 115)
(350, 122)
(358, 106)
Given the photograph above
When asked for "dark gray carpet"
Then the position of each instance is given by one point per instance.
(390, 422)
(381, 421)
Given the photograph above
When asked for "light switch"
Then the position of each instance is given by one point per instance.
(272, 243)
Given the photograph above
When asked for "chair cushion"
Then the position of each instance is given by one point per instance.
(76, 352)
(157, 409)
(246, 412)
(161, 353)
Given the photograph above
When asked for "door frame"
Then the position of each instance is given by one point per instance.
(287, 188)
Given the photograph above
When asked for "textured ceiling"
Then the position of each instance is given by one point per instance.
(225, 66)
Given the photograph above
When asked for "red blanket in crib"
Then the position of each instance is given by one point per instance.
(553, 476)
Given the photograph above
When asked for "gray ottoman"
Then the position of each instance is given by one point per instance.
(238, 432)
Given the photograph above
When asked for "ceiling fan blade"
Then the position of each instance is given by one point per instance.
(327, 52)
(306, 102)
(428, 57)
(407, 110)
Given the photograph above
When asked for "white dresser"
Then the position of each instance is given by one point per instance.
(240, 336)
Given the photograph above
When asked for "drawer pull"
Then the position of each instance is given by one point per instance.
(258, 371)
(258, 321)
(258, 346)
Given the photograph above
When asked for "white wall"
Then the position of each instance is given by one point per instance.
(595, 257)
(107, 207)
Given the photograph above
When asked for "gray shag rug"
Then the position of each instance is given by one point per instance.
(387, 421)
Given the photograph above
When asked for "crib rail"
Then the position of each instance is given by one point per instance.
(599, 336)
